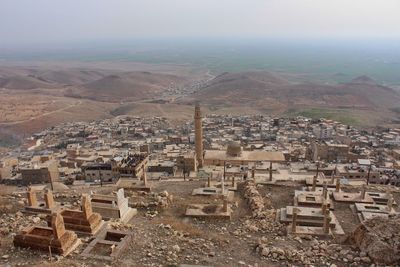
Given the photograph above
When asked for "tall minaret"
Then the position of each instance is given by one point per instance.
(198, 132)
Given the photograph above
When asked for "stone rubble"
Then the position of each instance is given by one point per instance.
(160, 200)
(263, 214)
(310, 252)
(379, 238)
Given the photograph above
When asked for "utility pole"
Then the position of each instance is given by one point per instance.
(224, 169)
(184, 170)
(369, 172)
(316, 175)
(51, 183)
(101, 179)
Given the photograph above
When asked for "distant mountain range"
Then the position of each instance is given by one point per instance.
(106, 86)
(270, 90)
(85, 94)
(130, 86)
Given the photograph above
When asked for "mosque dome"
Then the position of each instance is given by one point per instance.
(234, 149)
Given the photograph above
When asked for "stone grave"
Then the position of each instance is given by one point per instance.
(222, 191)
(310, 217)
(54, 239)
(213, 191)
(229, 185)
(108, 245)
(113, 206)
(83, 221)
(210, 211)
(295, 229)
(135, 184)
(361, 197)
(381, 198)
(366, 211)
(312, 199)
(313, 182)
(34, 206)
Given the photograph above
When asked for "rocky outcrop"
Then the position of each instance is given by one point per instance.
(379, 238)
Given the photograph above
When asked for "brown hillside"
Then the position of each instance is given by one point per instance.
(63, 76)
(259, 88)
(130, 86)
(72, 76)
(363, 79)
(25, 82)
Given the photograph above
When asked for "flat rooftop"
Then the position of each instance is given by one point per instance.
(275, 156)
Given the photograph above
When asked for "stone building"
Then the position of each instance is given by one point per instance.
(187, 162)
(236, 156)
(40, 173)
(328, 152)
(131, 166)
(94, 172)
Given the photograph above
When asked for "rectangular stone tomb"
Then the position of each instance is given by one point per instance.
(380, 198)
(76, 221)
(309, 217)
(227, 185)
(362, 216)
(133, 184)
(320, 182)
(34, 206)
(113, 206)
(56, 238)
(319, 190)
(82, 222)
(367, 211)
(351, 197)
(213, 191)
(108, 245)
(210, 211)
(311, 199)
(308, 230)
(362, 207)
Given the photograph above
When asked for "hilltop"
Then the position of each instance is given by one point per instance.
(130, 86)
(261, 88)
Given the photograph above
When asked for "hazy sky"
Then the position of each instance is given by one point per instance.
(48, 21)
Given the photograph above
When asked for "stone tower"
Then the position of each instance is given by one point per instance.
(198, 131)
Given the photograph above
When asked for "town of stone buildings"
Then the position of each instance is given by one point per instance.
(216, 191)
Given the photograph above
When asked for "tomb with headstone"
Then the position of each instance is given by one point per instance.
(361, 197)
(114, 206)
(135, 184)
(221, 191)
(366, 211)
(295, 229)
(229, 185)
(312, 199)
(54, 239)
(313, 182)
(382, 198)
(310, 217)
(83, 221)
(34, 206)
